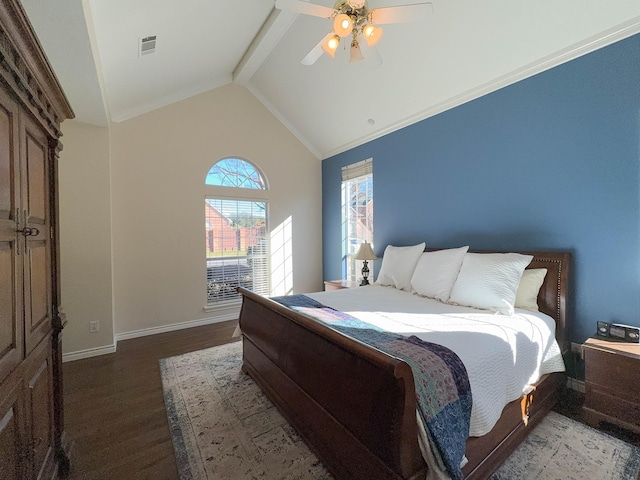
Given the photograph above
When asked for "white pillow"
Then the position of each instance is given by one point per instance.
(436, 272)
(489, 281)
(398, 264)
(530, 283)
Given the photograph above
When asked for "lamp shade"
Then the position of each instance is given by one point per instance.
(343, 25)
(331, 45)
(372, 35)
(365, 252)
(355, 54)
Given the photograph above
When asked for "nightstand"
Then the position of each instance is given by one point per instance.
(612, 383)
(340, 284)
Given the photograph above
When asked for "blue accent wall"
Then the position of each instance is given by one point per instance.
(549, 163)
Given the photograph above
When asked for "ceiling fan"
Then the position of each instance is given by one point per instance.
(353, 17)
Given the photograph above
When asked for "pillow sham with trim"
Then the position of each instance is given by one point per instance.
(529, 287)
(398, 264)
(489, 281)
(436, 272)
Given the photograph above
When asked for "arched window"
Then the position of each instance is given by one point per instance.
(237, 233)
(235, 172)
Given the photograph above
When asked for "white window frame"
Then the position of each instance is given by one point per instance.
(357, 221)
(247, 246)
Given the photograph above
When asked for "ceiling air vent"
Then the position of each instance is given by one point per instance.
(147, 45)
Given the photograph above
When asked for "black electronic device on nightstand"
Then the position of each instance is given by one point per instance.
(618, 332)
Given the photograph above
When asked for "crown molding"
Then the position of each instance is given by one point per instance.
(589, 45)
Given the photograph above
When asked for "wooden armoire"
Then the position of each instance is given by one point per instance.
(32, 107)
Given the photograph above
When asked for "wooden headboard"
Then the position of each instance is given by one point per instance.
(554, 292)
(553, 295)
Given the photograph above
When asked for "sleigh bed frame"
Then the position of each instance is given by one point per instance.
(356, 407)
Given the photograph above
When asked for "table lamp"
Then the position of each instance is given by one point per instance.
(365, 253)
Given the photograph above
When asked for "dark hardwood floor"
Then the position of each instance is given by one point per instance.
(115, 414)
(114, 408)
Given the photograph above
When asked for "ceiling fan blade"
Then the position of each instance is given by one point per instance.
(298, 6)
(417, 12)
(371, 54)
(316, 52)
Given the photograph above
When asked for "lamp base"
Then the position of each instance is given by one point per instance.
(365, 274)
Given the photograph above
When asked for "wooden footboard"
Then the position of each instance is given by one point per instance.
(357, 411)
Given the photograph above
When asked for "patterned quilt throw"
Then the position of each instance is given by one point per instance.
(442, 386)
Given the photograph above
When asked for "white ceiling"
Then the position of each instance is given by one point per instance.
(466, 49)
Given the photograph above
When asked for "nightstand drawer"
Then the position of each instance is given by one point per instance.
(613, 406)
(616, 373)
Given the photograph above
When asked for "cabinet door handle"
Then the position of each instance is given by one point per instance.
(29, 232)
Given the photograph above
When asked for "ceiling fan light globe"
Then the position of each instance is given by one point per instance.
(372, 35)
(331, 45)
(343, 25)
(356, 53)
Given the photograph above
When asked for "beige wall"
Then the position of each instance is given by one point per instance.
(85, 237)
(158, 163)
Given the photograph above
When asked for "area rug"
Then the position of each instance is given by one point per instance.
(223, 427)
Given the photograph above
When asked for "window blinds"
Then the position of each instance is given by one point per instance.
(355, 170)
(237, 248)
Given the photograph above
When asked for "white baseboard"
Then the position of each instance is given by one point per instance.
(90, 352)
(174, 326)
(93, 352)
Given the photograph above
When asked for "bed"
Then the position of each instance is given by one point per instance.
(355, 405)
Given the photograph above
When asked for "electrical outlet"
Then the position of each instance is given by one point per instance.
(94, 326)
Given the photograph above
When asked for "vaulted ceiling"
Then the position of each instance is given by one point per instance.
(465, 49)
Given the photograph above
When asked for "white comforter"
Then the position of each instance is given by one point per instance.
(502, 354)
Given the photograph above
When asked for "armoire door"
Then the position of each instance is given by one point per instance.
(40, 412)
(36, 233)
(11, 243)
(32, 108)
(13, 448)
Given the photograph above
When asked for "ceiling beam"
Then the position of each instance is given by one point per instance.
(272, 30)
